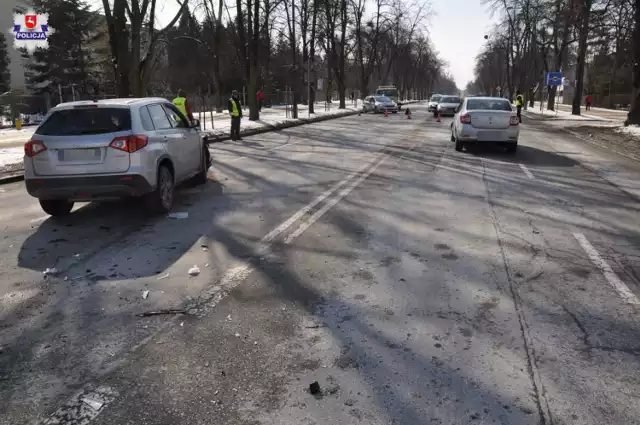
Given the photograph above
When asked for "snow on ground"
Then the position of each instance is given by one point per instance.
(10, 156)
(632, 130)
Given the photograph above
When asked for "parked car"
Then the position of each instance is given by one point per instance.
(485, 120)
(447, 106)
(113, 148)
(432, 105)
(379, 104)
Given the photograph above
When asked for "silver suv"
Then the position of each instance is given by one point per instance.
(114, 148)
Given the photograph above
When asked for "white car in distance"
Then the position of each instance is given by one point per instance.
(485, 120)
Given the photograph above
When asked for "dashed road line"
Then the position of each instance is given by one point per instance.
(526, 171)
(611, 277)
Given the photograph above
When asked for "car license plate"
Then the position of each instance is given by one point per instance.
(72, 155)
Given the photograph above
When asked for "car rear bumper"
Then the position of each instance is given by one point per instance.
(89, 188)
(468, 133)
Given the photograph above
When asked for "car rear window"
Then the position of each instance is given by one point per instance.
(450, 99)
(78, 121)
(488, 105)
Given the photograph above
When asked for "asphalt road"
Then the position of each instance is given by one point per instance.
(415, 284)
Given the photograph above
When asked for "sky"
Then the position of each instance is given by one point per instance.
(456, 28)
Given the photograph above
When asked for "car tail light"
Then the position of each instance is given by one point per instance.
(33, 148)
(465, 118)
(514, 120)
(129, 144)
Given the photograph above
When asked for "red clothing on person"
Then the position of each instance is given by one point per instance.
(588, 99)
(260, 95)
(188, 108)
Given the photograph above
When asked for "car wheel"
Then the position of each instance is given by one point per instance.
(205, 163)
(375, 110)
(453, 138)
(56, 207)
(161, 199)
(459, 145)
(512, 148)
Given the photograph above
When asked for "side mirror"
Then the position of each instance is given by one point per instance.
(195, 123)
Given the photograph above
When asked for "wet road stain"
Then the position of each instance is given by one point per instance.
(359, 297)
(442, 246)
(580, 272)
(466, 332)
(363, 274)
(388, 261)
(450, 256)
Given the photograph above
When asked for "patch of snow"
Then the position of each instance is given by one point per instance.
(10, 156)
(632, 130)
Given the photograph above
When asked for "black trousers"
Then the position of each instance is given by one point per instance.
(235, 128)
(519, 109)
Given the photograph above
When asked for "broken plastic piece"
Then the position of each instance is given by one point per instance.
(50, 271)
(194, 271)
(237, 335)
(145, 294)
(179, 215)
(94, 403)
(314, 388)
(164, 276)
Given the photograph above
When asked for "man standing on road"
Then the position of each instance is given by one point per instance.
(519, 104)
(235, 112)
(183, 105)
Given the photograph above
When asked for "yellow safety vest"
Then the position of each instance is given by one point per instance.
(519, 100)
(181, 103)
(234, 108)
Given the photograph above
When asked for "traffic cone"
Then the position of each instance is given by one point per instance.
(386, 113)
(438, 117)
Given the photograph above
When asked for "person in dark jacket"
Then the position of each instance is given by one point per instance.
(235, 112)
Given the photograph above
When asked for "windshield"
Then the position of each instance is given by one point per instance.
(387, 93)
(382, 99)
(488, 105)
(75, 122)
(435, 98)
(450, 99)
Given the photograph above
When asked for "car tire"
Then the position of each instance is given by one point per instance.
(453, 138)
(205, 163)
(56, 207)
(160, 200)
(459, 145)
(512, 149)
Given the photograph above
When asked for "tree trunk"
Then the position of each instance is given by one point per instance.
(312, 57)
(582, 56)
(634, 112)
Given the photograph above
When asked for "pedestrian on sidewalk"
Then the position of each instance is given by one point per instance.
(235, 112)
(260, 99)
(588, 99)
(519, 105)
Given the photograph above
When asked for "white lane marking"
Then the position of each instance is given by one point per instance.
(344, 192)
(613, 279)
(37, 220)
(526, 171)
(286, 224)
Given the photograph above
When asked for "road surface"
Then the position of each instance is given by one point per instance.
(413, 283)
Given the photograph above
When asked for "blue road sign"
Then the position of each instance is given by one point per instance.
(553, 79)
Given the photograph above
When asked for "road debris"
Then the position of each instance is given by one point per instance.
(164, 276)
(237, 335)
(229, 318)
(145, 295)
(182, 324)
(314, 388)
(50, 271)
(204, 247)
(194, 271)
(206, 266)
(179, 215)
(94, 403)
(161, 312)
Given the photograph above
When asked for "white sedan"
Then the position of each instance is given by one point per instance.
(485, 120)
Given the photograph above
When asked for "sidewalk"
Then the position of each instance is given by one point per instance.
(605, 133)
(602, 113)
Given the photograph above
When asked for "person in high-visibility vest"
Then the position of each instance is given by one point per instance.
(519, 105)
(235, 112)
(183, 105)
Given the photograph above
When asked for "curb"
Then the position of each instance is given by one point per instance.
(12, 178)
(212, 138)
